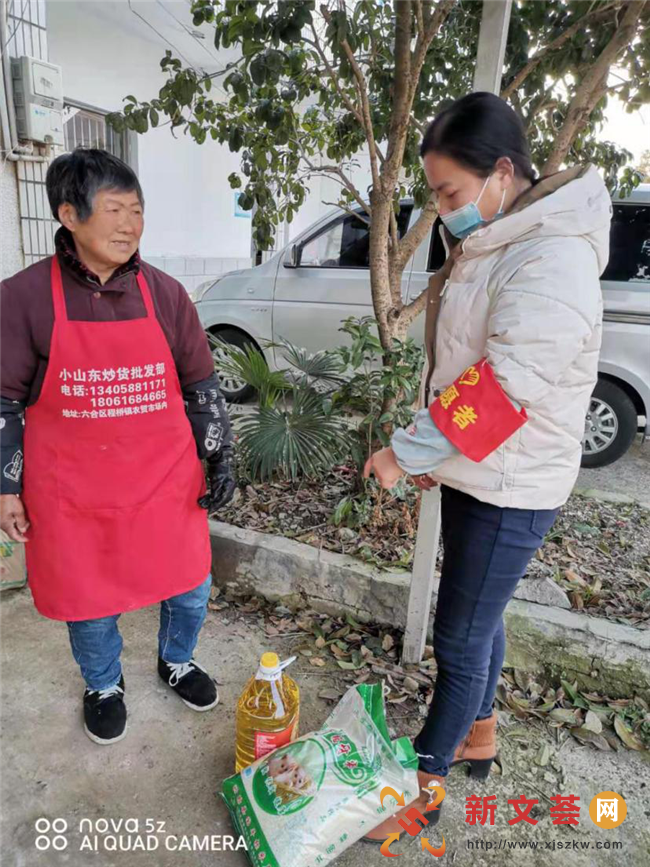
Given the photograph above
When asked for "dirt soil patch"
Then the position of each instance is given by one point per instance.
(598, 552)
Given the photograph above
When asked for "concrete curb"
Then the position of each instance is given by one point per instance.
(609, 496)
(544, 634)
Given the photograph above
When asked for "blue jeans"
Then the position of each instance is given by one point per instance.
(486, 551)
(97, 644)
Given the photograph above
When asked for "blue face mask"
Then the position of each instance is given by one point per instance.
(464, 220)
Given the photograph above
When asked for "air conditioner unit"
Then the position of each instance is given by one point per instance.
(38, 98)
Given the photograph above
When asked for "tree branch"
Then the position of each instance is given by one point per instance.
(601, 12)
(335, 80)
(362, 90)
(356, 214)
(419, 15)
(593, 86)
(339, 173)
(404, 95)
(420, 127)
(402, 77)
(412, 311)
(417, 232)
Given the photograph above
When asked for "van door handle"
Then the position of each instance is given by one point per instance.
(250, 290)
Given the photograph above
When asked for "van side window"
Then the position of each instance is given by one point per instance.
(629, 244)
(346, 243)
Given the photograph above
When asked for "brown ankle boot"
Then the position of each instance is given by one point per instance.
(478, 747)
(422, 803)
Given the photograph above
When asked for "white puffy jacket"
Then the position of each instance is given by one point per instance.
(525, 292)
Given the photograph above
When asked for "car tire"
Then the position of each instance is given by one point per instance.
(610, 426)
(234, 391)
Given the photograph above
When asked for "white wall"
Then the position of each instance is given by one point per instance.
(106, 52)
(11, 253)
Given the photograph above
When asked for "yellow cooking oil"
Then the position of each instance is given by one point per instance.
(267, 711)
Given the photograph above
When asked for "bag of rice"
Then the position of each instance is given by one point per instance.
(304, 803)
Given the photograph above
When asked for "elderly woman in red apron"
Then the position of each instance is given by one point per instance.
(105, 358)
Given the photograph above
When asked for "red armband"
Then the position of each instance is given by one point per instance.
(475, 413)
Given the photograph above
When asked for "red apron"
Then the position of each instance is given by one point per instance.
(111, 475)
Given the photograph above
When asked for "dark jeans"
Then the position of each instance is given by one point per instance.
(97, 644)
(486, 551)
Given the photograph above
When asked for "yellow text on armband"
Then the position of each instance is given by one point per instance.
(448, 396)
(464, 415)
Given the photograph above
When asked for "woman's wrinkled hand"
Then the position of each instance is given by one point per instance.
(13, 518)
(385, 468)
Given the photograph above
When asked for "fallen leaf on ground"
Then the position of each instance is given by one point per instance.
(410, 684)
(626, 735)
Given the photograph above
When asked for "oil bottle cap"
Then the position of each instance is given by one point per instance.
(270, 660)
(270, 667)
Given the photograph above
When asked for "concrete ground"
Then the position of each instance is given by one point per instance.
(630, 475)
(172, 761)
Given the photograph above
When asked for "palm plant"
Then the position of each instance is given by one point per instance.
(318, 370)
(248, 364)
(324, 407)
(297, 439)
(295, 430)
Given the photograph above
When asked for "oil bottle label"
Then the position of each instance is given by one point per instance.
(265, 742)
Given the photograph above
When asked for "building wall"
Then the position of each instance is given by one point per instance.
(11, 248)
(106, 52)
(23, 183)
(191, 232)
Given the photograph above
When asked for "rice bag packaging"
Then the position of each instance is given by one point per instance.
(307, 801)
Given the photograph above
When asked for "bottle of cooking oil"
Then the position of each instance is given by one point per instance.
(267, 711)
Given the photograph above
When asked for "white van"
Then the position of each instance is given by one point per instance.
(307, 289)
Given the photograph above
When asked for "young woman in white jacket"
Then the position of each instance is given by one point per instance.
(512, 338)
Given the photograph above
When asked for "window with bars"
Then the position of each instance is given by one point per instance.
(86, 128)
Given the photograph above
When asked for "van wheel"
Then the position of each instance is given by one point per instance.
(234, 389)
(610, 425)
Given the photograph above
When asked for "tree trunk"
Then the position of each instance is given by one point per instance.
(380, 284)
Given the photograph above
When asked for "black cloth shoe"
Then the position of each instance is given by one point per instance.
(191, 682)
(105, 713)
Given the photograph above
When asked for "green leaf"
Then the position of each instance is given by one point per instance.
(139, 120)
(257, 70)
(235, 139)
(626, 735)
(248, 364)
(342, 510)
(298, 441)
(261, 159)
